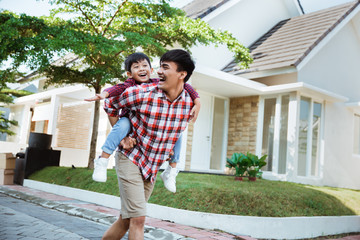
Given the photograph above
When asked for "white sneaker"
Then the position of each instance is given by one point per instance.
(169, 178)
(100, 169)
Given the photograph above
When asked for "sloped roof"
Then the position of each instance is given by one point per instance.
(291, 40)
(201, 8)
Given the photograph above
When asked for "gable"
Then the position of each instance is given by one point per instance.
(291, 40)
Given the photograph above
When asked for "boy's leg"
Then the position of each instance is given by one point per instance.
(170, 173)
(118, 132)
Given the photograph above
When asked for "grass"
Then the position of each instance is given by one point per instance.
(221, 194)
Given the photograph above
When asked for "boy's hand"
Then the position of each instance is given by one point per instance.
(170, 155)
(128, 143)
(97, 97)
(194, 113)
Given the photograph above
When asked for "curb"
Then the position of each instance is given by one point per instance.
(271, 227)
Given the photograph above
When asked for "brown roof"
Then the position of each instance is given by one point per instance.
(291, 40)
(201, 8)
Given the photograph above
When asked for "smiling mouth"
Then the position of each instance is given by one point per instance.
(142, 75)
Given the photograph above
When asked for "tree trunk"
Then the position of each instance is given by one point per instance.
(94, 134)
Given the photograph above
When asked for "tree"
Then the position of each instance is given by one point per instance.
(101, 33)
(13, 44)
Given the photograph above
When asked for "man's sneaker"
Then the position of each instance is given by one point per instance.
(169, 178)
(100, 169)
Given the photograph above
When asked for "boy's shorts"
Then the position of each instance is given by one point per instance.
(134, 191)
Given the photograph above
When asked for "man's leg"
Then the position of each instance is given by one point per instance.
(136, 229)
(117, 230)
(134, 193)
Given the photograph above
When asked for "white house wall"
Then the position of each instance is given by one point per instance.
(341, 167)
(247, 20)
(335, 67)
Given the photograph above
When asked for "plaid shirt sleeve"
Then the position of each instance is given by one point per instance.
(111, 107)
(193, 94)
(118, 89)
(111, 104)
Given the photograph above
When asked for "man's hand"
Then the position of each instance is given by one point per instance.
(128, 143)
(194, 113)
(98, 97)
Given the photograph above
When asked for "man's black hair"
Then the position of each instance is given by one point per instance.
(182, 59)
(134, 58)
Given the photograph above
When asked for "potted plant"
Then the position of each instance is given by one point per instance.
(254, 165)
(239, 162)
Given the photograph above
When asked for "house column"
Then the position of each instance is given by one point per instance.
(53, 114)
(292, 137)
(25, 124)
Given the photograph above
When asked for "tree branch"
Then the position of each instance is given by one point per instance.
(113, 17)
(87, 17)
(84, 14)
(117, 54)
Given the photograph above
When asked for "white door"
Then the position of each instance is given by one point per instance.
(201, 147)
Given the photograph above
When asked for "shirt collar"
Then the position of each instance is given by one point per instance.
(161, 94)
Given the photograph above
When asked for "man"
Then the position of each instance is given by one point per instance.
(158, 114)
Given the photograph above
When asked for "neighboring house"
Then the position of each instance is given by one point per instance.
(299, 102)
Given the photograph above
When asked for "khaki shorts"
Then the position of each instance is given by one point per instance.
(134, 191)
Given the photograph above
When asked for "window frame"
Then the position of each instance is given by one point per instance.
(291, 171)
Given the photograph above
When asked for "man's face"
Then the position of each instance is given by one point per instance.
(169, 77)
(140, 71)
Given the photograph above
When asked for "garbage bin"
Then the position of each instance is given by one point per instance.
(19, 168)
(37, 156)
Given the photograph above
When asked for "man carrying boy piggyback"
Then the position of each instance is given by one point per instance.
(138, 69)
(158, 113)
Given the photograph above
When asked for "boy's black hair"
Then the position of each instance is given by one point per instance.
(134, 58)
(182, 59)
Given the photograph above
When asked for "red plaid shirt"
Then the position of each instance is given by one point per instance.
(156, 125)
(111, 103)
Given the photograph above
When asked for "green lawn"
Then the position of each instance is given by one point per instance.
(221, 194)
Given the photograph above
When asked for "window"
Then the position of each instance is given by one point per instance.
(283, 134)
(274, 144)
(309, 137)
(357, 134)
(268, 131)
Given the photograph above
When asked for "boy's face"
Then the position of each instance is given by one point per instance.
(140, 71)
(170, 78)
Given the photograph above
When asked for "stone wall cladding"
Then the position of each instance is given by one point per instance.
(242, 125)
(189, 143)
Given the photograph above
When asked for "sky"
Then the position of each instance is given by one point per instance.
(41, 7)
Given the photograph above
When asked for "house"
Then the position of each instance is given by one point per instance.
(299, 102)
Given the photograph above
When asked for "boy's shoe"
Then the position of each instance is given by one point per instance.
(100, 169)
(169, 178)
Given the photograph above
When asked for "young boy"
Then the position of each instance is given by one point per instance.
(138, 69)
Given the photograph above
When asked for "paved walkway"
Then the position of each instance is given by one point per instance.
(99, 215)
(27, 213)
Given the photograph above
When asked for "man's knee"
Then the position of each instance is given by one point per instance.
(137, 221)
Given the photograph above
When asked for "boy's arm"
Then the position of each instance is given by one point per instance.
(194, 113)
(115, 90)
(118, 89)
(97, 97)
